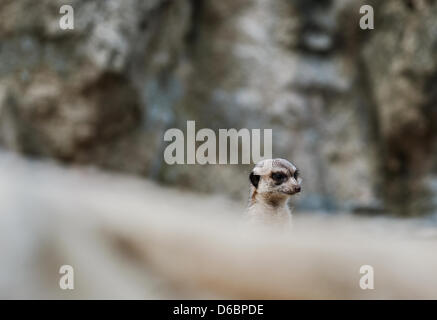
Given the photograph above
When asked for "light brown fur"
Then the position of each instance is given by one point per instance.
(268, 201)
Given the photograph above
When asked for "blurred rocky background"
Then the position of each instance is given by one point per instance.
(83, 114)
(354, 109)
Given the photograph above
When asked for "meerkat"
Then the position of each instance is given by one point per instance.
(273, 182)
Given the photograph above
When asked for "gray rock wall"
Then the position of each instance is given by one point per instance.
(353, 109)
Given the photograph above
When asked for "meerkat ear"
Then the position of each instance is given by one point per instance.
(254, 179)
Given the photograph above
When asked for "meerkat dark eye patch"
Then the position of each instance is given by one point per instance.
(279, 176)
(296, 174)
(254, 179)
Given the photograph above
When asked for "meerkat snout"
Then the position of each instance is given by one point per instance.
(273, 182)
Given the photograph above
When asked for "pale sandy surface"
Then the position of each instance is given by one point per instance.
(127, 237)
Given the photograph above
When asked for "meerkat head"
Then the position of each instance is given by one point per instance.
(275, 180)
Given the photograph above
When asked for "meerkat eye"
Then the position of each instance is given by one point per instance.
(296, 174)
(278, 176)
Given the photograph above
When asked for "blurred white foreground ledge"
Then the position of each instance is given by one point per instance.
(131, 239)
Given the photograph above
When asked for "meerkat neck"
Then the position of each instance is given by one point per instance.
(267, 208)
(268, 200)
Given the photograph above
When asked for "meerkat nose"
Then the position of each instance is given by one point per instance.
(297, 189)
